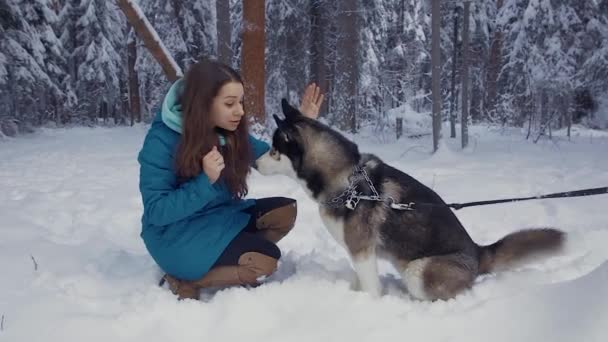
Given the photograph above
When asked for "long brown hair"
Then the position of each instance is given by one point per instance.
(201, 85)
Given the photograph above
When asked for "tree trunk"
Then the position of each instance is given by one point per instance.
(253, 58)
(71, 45)
(494, 65)
(318, 69)
(453, 88)
(399, 127)
(436, 71)
(183, 58)
(224, 49)
(531, 120)
(465, 77)
(134, 100)
(148, 35)
(121, 110)
(474, 88)
(347, 68)
(569, 122)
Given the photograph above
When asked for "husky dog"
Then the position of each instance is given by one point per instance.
(374, 210)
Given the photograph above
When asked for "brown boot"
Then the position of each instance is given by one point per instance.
(276, 223)
(182, 288)
(252, 266)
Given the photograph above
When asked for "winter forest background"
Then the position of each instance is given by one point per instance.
(536, 63)
(74, 73)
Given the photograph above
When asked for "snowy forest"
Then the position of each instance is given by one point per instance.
(537, 63)
(81, 83)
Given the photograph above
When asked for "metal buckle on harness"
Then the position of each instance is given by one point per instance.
(402, 206)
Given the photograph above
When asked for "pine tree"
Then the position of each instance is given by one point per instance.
(99, 58)
(592, 87)
(287, 58)
(31, 65)
(375, 75)
(153, 81)
(196, 24)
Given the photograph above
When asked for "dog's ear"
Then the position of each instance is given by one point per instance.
(282, 128)
(280, 123)
(289, 111)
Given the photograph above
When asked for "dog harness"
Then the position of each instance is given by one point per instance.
(351, 196)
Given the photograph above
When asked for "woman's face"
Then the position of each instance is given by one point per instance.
(227, 106)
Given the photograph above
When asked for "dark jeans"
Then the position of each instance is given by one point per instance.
(249, 239)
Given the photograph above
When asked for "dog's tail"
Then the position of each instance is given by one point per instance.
(519, 246)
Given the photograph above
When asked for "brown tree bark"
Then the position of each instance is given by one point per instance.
(253, 66)
(147, 34)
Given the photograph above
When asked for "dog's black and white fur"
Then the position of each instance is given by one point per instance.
(436, 257)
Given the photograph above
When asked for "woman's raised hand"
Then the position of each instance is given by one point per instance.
(311, 101)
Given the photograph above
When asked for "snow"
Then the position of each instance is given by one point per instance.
(74, 267)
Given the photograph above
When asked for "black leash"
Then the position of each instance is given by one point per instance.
(351, 197)
(577, 193)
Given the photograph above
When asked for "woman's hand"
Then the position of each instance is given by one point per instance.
(213, 164)
(311, 101)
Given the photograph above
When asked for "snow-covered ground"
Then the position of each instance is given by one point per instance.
(75, 269)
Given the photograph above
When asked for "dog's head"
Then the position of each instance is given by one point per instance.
(287, 150)
(305, 149)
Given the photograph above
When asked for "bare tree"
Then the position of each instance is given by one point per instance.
(436, 71)
(148, 35)
(253, 57)
(465, 76)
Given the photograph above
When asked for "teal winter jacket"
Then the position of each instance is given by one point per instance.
(186, 226)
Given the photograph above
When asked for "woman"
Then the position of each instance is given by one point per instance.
(193, 168)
